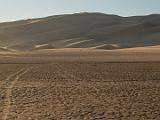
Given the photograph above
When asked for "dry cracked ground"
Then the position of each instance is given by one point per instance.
(80, 91)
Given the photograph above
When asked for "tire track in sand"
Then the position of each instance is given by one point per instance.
(10, 84)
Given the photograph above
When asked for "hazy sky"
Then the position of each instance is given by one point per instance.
(23, 9)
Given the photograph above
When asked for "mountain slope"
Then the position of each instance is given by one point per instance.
(81, 30)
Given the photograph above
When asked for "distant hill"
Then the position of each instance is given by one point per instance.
(81, 30)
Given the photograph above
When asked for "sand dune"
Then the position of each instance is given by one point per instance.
(107, 46)
(5, 49)
(78, 30)
(149, 49)
(75, 43)
(34, 21)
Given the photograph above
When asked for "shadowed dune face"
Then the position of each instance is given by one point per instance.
(87, 30)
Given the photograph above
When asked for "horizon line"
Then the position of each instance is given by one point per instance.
(32, 18)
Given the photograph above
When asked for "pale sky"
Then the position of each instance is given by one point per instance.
(11, 10)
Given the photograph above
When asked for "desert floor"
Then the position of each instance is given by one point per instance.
(79, 84)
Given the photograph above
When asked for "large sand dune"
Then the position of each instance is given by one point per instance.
(86, 30)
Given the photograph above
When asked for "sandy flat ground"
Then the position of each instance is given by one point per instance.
(80, 84)
(142, 54)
